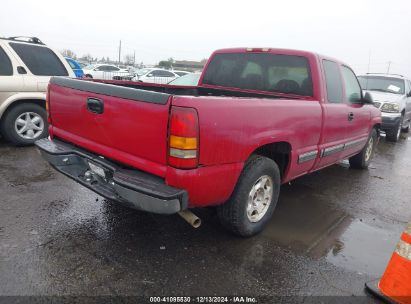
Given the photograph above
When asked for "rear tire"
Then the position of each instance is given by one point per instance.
(362, 160)
(24, 124)
(253, 201)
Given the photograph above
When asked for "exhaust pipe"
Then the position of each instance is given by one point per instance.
(190, 218)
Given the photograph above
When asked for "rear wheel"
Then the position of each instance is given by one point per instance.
(253, 201)
(362, 160)
(24, 124)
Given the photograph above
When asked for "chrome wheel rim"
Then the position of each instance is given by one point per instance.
(29, 125)
(368, 150)
(259, 198)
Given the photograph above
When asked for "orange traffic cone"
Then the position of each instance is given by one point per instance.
(395, 284)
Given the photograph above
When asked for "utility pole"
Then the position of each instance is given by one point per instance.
(119, 53)
(369, 62)
(389, 65)
(134, 58)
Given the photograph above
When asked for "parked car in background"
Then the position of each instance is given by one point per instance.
(78, 71)
(26, 65)
(104, 71)
(187, 80)
(392, 95)
(155, 75)
(82, 64)
(180, 73)
(257, 119)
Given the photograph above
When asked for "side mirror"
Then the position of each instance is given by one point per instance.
(150, 75)
(409, 94)
(21, 70)
(367, 98)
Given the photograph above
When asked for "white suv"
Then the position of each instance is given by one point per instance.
(26, 66)
(392, 95)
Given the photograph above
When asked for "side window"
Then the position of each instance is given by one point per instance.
(102, 68)
(352, 87)
(168, 74)
(6, 69)
(112, 68)
(157, 73)
(40, 60)
(333, 81)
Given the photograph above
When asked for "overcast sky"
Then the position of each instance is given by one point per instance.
(350, 30)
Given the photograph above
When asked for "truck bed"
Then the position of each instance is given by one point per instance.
(133, 129)
(192, 91)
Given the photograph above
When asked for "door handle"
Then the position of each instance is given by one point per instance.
(350, 116)
(95, 105)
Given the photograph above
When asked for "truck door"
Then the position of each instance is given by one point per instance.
(359, 114)
(334, 116)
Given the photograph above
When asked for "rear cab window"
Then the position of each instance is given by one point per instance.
(6, 68)
(40, 60)
(261, 72)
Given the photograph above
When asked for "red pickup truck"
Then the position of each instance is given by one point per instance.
(259, 117)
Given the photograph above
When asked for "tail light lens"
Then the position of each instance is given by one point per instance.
(183, 140)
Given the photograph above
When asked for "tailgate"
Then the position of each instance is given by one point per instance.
(124, 124)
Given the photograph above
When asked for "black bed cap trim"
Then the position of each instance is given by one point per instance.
(111, 90)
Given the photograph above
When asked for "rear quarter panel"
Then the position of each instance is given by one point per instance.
(232, 128)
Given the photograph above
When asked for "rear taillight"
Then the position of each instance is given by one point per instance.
(183, 140)
(48, 104)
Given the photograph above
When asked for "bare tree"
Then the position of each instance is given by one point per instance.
(88, 58)
(129, 59)
(166, 64)
(69, 53)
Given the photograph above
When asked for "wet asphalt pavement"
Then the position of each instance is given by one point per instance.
(332, 231)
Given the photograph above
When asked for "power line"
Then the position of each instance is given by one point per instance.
(119, 53)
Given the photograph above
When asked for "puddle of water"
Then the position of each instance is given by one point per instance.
(364, 248)
(307, 224)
